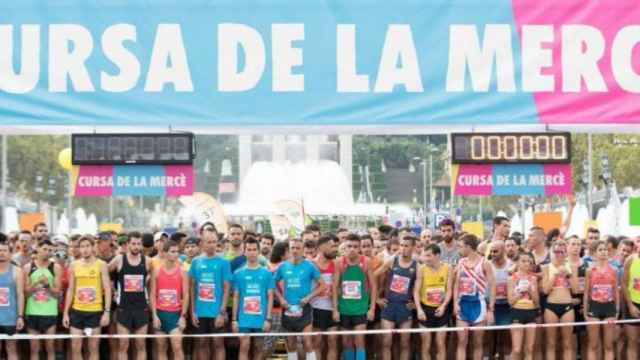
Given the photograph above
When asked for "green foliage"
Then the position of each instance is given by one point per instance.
(30, 156)
(396, 152)
(623, 152)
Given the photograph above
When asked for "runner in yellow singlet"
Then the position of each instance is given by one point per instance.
(432, 295)
(88, 301)
(631, 292)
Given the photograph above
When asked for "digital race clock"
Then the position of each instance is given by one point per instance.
(484, 148)
(113, 149)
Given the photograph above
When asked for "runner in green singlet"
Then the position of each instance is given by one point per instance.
(42, 289)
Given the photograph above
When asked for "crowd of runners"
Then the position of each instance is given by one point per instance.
(387, 278)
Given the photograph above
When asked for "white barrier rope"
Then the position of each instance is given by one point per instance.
(318, 333)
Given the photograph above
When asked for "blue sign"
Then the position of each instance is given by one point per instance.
(256, 63)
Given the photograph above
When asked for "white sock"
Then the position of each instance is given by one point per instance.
(311, 355)
(292, 356)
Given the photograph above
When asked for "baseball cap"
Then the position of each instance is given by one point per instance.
(60, 239)
(192, 241)
(104, 236)
(122, 239)
(159, 235)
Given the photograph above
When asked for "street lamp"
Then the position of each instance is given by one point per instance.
(606, 172)
(423, 163)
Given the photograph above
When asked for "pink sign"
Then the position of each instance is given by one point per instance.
(511, 179)
(133, 180)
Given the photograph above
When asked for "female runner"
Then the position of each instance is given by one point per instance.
(524, 299)
(578, 267)
(557, 282)
(601, 302)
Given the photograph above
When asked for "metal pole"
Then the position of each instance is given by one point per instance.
(4, 181)
(590, 175)
(424, 187)
(111, 205)
(522, 212)
(430, 180)
(70, 196)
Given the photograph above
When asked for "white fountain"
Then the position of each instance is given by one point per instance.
(91, 226)
(321, 186)
(579, 217)
(63, 225)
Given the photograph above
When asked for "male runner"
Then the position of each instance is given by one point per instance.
(132, 278)
(42, 289)
(501, 229)
(252, 301)
(432, 295)
(23, 255)
(474, 280)
(354, 296)
(342, 234)
(310, 249)
(512, 247)
(593, 234)
(315, 230)
(425, 237)
(40, 230)
(298, 276)
(169, 300)
(397, 303)
(323, 303)
(88, 300)
(235, 236)
(502, 313)
(448, 248)
(210, 277)
(191, 250)
(159, 239)
(373, 341)
(11, 298)
(266, 244)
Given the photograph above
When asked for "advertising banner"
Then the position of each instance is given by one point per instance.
(634, 211)
(132, 180)
(548, 220)
(290, 63)
(202, 207)
(476, 228)
(511, 179)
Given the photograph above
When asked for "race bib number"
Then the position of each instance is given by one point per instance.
(636, 284)
(133, 283)
(206, 292)
(522, 288)
(602, 293)
(41, 295)
(86, 295)
(352, 290)
(327, 278)
(400, 284)
(294, 311)
(251, 305)
(167, 298)
(435, 295)
(4, 296)
(467, 286)
(561, 282)
(501, 290)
